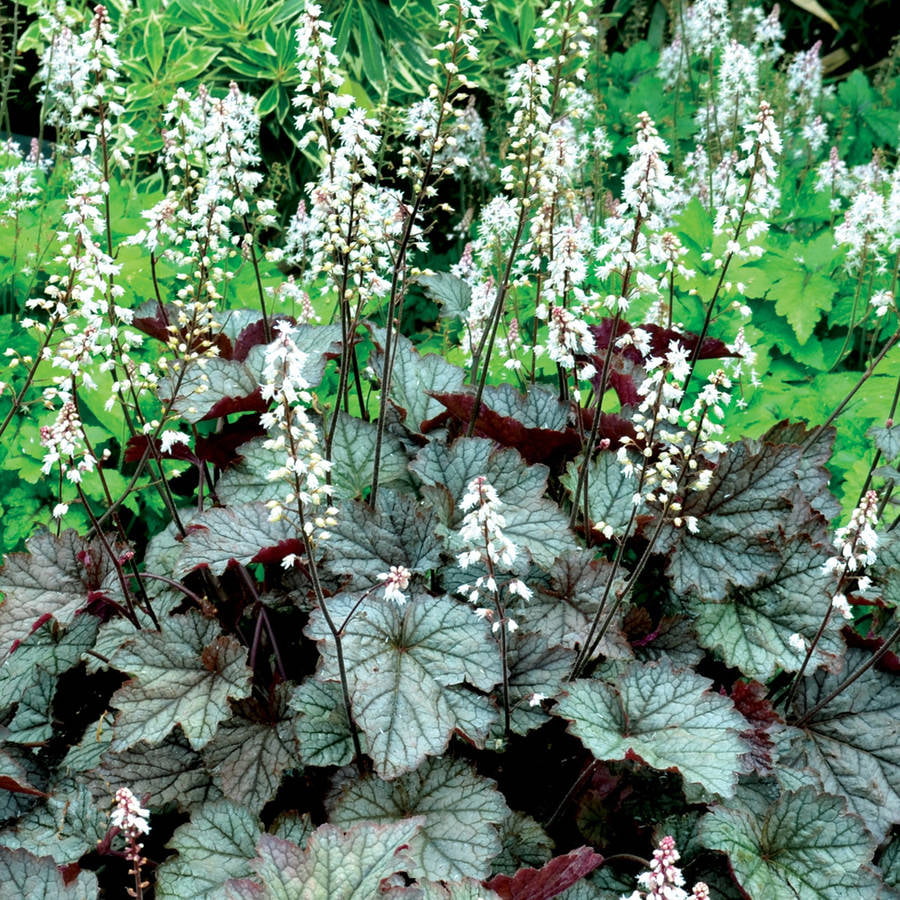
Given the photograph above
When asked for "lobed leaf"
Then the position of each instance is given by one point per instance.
(182, 675)
(55, 577)
(400, 661)
(242, 533)
(414, 379)
(217, 844)
(65, 826)
(550, 880)
(29, 877)
(751, 627)
(667, 717)
(365, 543)
(801, 845)
(532, 522)
(50, 648)
(170, 772)
(853, 744)
(247, 757)
(462, 812)
(344, 865)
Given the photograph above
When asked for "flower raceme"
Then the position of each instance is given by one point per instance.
(664, 880)
(855, 544)
(131, 819)
(482, 533)
(303, 468)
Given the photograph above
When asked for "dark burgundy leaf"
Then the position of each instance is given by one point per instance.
(749, 698)
(889, 662)
(255, 334)
(219, 449)
(660, 341)
(625, 364)
(154, 322)
(277, 553)
(550, 880)
(9, 783)
(537, 445)
(230, 405)
(138, 445)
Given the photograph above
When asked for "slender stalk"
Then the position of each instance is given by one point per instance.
(857, 673)
(398, 276)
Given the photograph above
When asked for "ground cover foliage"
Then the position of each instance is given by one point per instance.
(490, 495)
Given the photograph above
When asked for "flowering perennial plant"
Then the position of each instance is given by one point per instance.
(524, 357)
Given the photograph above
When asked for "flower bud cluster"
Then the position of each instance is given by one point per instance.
(870, 227)
(855, 543)
(629, 240)
(486, 545)
(20, 179)
(664, 880)
(131, 819)
(64, 443)
(79, 74)
(741, 188)
(210, 212)
(317, 95)
(396, 581)
(807, 90)
(436, 127)
(674, 449)
(293, 433)
(735, 97)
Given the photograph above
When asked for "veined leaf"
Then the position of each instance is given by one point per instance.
(210, 388)
(51, 648)
(667, 717)
(55, 577)
(182, 675)
(566, 601)
(170, 773)
(399, 532)
(414, 378)
(217, 844)
(399, 663)
(532, 522)
(242, 533)
(751, 627)
(33, 720)
(610, 492)
(353, 457)
(853, 744)
(802, 845)
(343, 865)
(247, 756)
(66, 825)
(462, 812)
(756, 491)
(534, 668)
(29, 877)
(321, 725)
(525, 843)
